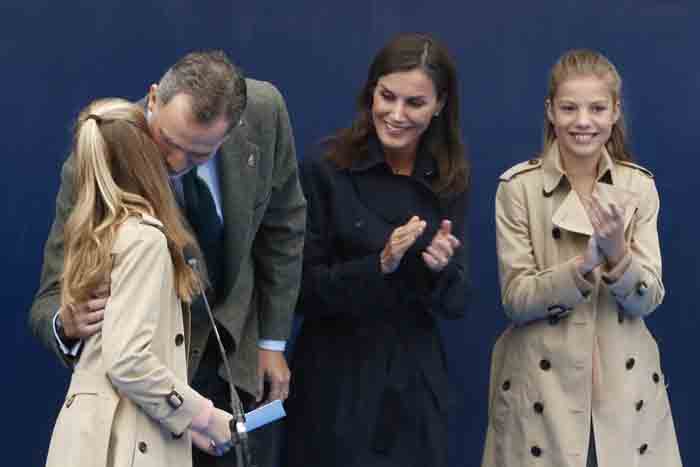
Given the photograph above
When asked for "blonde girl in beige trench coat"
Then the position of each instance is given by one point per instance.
(128, 403)
(576, 379)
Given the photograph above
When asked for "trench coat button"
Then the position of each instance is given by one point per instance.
(642, 288)
(656, 378)
(179, 339)
(177, 435)
(143, 447)
(556, 233)
(545, 364)
(629, 364)
(643, 448)
(536, 451)
(538, 407)
(639, 405)
(506, 385)
(546, 193)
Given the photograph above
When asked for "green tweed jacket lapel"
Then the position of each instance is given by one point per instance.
(238, 183)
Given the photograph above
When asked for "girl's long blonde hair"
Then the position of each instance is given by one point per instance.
(119, 173)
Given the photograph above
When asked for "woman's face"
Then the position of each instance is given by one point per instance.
(583, 113)
(403, 104)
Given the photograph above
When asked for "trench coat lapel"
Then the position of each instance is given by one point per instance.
(571, 214)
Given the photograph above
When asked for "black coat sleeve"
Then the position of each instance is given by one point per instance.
(448, 296)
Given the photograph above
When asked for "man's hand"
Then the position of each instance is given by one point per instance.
(82, 320)
(272, 367)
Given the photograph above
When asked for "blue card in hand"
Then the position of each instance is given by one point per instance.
(264, 414)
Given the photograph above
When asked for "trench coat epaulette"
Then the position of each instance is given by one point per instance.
(152, 223)
(517, 169)
(632, 165)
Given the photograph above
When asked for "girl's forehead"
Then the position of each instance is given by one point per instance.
(590, 86)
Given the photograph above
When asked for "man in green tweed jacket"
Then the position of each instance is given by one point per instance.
(237, 137)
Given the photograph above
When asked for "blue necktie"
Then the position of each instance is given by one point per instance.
(200, 210)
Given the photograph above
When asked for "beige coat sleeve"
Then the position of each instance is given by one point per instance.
(639, 290)
(530, 291)
(140, 291)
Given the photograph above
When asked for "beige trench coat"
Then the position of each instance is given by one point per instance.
(128, 403)
(578, 349)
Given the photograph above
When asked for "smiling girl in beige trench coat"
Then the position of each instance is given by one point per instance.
(129, 403)
(576, 379)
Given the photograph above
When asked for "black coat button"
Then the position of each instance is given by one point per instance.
(629, 364)
(506, 385)
(643, 448)
(545, 364)
(538, 407)
(179, 339)
(143, 447)
(655, 378)
(546, 193)
(536, 451)
(639, 405)
(556, 233)
(177, 435)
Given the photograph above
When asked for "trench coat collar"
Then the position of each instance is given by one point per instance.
(554, 172)
(425, 166)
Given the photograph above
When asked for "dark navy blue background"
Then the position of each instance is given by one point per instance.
(57, 56)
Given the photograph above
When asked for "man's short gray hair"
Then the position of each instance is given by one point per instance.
(216, 85)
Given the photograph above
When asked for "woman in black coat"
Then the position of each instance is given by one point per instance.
(384, 258)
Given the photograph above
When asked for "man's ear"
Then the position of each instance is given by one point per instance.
(152, 96)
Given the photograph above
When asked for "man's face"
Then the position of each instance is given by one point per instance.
(184, 142)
